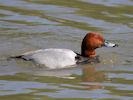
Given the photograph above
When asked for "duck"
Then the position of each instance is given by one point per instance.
(54, 58)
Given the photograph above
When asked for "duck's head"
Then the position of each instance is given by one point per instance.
(92, 41)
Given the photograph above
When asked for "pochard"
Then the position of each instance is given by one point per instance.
(63, 58)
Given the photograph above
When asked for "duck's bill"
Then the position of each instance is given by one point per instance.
(108, 44)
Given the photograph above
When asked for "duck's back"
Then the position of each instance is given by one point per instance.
(52, 58)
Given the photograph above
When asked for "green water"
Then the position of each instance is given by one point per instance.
(27, 25)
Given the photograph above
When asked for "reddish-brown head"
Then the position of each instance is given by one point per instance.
(90, 42)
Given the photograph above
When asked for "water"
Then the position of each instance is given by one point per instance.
(27, 25)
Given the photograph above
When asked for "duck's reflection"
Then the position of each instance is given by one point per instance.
(87, 74)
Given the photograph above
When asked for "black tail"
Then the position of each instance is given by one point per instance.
(17, 57)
